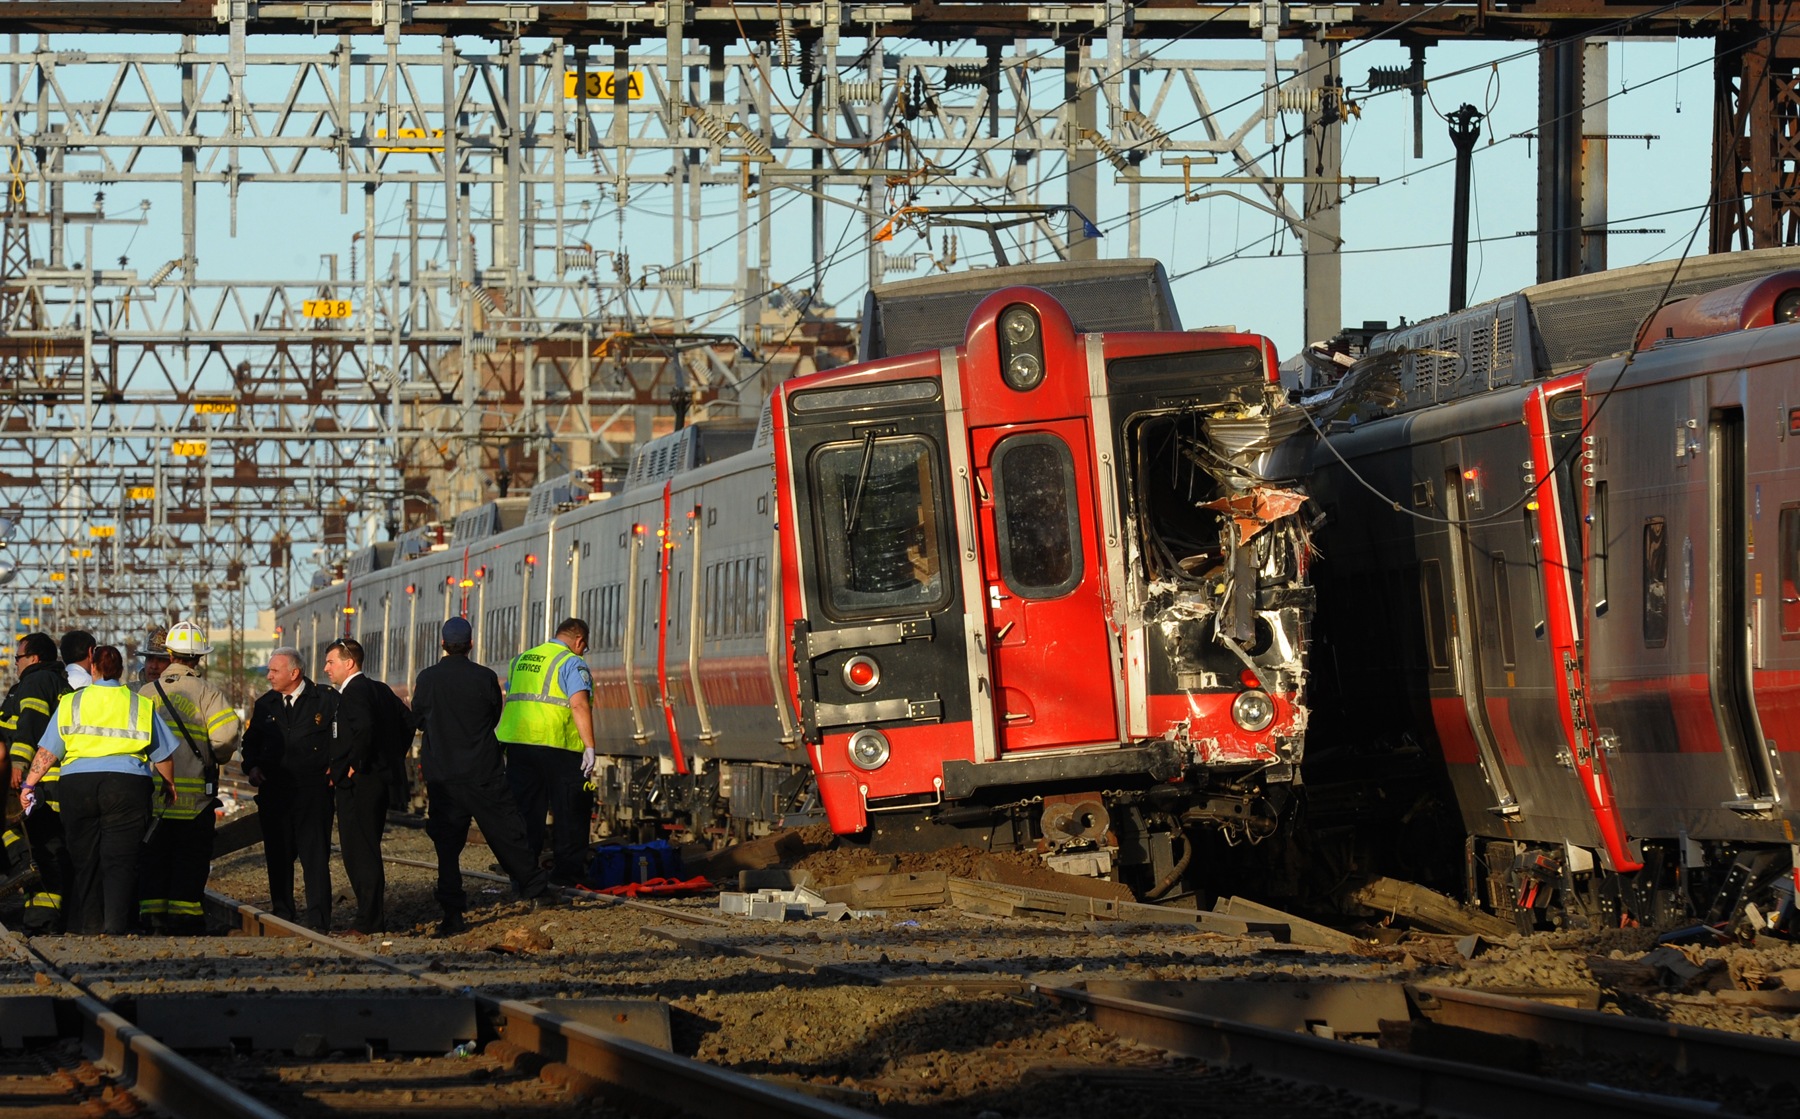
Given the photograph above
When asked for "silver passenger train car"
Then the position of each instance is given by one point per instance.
(672, 575)
(1569, 578)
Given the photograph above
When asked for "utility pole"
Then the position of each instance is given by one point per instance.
(1324, 267)
(1465, 129)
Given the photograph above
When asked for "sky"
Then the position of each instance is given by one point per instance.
(1229, 263)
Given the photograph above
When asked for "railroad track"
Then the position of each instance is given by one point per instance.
(1456, 1087)
(1460, 1034)
(112, 1056)
(570, 1051)
(538, 1040)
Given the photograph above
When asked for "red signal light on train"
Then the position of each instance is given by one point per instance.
(1248, 679)
(531, 561)
(861, 674)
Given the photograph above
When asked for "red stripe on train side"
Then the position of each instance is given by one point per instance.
(1506, 739)
(1778, 706)
(1454, 736)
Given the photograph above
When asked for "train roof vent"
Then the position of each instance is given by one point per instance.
(694, 445)
(933, 311)
(433, 536)
(1460, 355)
(546, 496)
(320, 580)
(477, 524)
(373, 558)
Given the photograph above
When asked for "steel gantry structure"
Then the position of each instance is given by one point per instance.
(166, 432)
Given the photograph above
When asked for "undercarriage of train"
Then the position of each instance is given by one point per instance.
(1741, 891)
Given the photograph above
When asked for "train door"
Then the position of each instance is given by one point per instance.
(1467, 658)
(1556, 416)
(1733, 622)
(1046, 615)
(1772, 418)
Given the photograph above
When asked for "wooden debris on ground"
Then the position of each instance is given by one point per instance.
(1665, 968)
(925, 890)
(1300, 930)
(996, 899)
(1043, 878)
(1391, 897)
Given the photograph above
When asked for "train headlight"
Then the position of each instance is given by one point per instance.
(1019, 324)
(1021, 348)
(1024, 371)
(1253, 711)
(869, 749)
(1787, 306)
(861, 674)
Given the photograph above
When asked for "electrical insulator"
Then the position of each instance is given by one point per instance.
(1112, 154)
(575, 260)
(784, 39)
(957, 77)
(860, 93)
(905, 264)
(482, 344)
(1391, 77)
(710, 126)
(1298, 99)
(164, 273)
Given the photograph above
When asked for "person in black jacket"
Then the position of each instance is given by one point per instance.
(287, 757)
(457, 703)
(369, 739)
(24, 714)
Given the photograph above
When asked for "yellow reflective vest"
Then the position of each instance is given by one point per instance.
(104, 722)
(537, 709)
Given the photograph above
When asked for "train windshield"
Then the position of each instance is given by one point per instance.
(876, 508)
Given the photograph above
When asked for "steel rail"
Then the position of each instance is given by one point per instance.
(1436, 1087)
(150, 1070)
(1762, 1060)
(693, 1086)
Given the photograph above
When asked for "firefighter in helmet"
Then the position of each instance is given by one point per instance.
(23, 716)
(178, 857)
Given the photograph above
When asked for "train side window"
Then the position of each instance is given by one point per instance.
(1503, 607)
(739, 595)
(711, 595)
(1656, 583)
(1037, 523)
(1598, 546)
(1790, 572)
(875, 510)
(1437, 621)
(759, 616)
(1537, 570)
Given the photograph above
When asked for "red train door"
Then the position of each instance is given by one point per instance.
(1046, 628)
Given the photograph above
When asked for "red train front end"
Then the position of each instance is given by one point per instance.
(1047, 589)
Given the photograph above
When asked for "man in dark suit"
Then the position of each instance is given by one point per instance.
(367, 743)
(287, 756)
(457, 703)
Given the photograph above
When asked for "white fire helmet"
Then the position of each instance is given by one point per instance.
(188, 640)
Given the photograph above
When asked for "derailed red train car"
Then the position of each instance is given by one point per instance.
(1045, 589)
